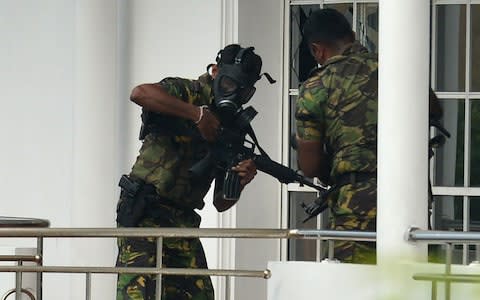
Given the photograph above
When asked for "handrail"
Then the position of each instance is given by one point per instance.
(159, 234)
(442, 237)
(253, 233)
(13, 223)
(448, 238)
(460, 278)
(22, 222)
(333, 235)
(414, 235)
(265, 274)
(22, 258)
(106, 232)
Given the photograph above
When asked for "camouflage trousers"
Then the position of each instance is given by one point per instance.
(354, 208)
(177, 253)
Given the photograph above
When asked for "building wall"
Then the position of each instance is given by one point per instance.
(37, 80)
(260, 24)
(68, 130)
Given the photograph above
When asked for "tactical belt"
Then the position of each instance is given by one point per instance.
(353, 177)
(159, 200)
(149, 189)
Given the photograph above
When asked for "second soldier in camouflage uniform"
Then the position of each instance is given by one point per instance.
(336, 115)
(171, 108)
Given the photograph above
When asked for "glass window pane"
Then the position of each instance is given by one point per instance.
(474, 253)
(475, 55)
(451, 48)
(448, 216)
(367, 26)
(474, 213)
(448, 213)
(475, 144)
(303, 250)
(301, 62)
(345, 8)
(449, 158)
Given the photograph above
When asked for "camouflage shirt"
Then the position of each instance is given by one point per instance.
(164, 159)
(338, 105)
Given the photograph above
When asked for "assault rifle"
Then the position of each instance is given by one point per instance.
(233, 146)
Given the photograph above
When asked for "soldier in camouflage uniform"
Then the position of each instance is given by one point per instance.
(168, 193)
(336, 115)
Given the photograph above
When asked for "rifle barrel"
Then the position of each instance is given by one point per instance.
(282, 173)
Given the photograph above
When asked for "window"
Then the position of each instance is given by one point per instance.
(455, 77)
(456, 80)
(363, 15)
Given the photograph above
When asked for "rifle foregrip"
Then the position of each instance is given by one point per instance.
(282, 173)
(231, 186)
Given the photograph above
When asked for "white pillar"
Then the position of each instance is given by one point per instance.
(402, 127)
(95, 141)
(226, 248)
(177, 38)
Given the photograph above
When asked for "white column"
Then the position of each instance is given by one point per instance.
(95, 141)
(177, 38)
(226, 247)
(402, 127)
(94, 112)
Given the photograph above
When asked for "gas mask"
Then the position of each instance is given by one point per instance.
(232, 87)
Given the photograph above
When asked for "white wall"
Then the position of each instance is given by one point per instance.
(301, 280)
(173, 38)
(260, 24)
(36, 119)
(67, 128)
(37, 88)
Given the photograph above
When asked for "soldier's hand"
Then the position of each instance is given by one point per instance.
(208, 125)
(247, 170)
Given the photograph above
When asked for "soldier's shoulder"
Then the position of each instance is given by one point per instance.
(367, 58)
(176, 81)
(181, 87)
(316, 78)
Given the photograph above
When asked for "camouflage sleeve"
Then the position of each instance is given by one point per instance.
(183, 89)
(309, 114)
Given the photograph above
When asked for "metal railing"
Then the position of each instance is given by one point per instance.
(159, 234)
(6, 223)
(449, 238)
(29, 229)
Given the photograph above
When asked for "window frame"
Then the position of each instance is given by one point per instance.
(465, 191)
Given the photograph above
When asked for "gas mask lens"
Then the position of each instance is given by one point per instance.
(246, 93)
(228, 85)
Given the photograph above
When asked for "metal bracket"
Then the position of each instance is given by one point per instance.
(24, 291)
(408, 233)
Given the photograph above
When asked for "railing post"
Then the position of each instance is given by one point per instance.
(448, 269)
(331, 249)
(434, 290)
(159, 266)
(18, 283)
(227, 287)
(39, 292)
(477, 252)
(88, 286)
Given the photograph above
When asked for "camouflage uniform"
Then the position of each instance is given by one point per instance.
(338, 105)
(164, 161)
